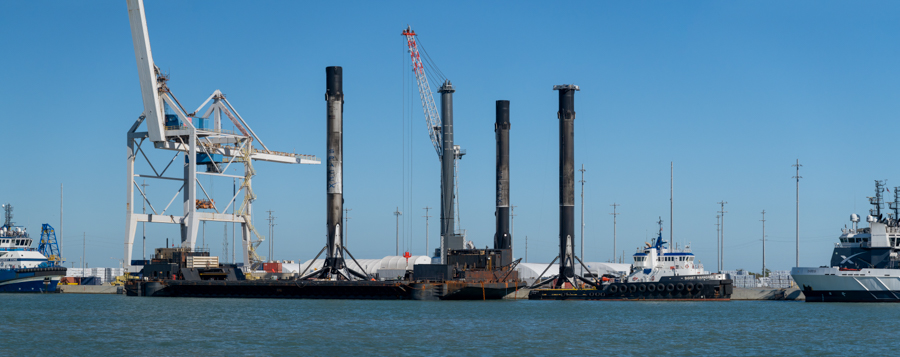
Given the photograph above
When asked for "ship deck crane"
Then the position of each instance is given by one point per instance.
(441, 133)
(169, 126)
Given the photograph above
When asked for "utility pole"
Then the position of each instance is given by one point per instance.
(722, 237)
(60, 222)
(426, 230)
(512, 229)
(718, 244)
(614, 214)
(271, 220)
(346, 220)
(764, 242)
(225, 242)
(144, 224)
(83, 245)
(234, 193)
(582, 210)
(798, 177)
(397, 214)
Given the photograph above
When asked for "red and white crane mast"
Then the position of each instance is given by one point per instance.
(432, 118)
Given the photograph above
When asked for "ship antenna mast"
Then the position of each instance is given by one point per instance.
(896, 203)
(878, 200)
(8, 215)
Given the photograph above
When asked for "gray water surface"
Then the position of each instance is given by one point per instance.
(116, 325)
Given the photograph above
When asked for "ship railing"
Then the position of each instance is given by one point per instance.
(14, 249)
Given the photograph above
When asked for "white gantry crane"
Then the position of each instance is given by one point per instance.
(202, 141)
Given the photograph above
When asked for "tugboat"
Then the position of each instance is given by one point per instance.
(865, 264)
(658, 273)
(24, 269)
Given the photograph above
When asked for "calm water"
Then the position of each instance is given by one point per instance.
(100, 325)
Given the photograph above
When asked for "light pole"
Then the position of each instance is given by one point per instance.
(614, 214)
(764, 243)
(426, 229)
(346, 220)
(798, 177)
(144, 224)
(582, 210)
(722, 236)
(397, 214)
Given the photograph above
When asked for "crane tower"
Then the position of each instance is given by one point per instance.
(441, 134)
(203, 143)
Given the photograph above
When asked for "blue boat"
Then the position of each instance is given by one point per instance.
(24, 269)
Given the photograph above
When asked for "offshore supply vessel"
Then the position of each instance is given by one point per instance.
(865, 263)
(24, 269)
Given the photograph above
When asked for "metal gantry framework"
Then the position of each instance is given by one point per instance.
(49, 246)
(202, 144)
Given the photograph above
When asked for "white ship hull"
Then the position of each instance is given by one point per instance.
(837, 285)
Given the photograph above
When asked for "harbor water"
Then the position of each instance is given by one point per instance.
(82, 325)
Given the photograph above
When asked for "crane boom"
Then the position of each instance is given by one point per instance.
(432, 118)
(153, 112)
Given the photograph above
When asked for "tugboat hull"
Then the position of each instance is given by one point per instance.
(670, 288)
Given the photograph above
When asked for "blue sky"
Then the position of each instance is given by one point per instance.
(732, 92)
